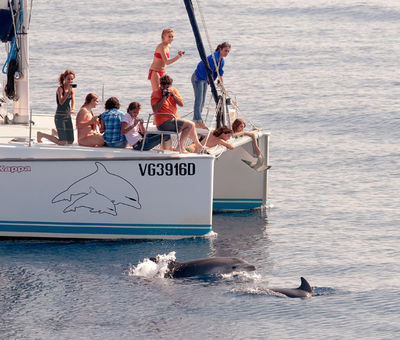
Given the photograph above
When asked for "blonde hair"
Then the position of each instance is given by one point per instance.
(166, 31)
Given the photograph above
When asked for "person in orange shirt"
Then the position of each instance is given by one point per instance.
(165, 100)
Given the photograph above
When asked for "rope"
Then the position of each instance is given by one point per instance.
(205, 144)
(223, 90)
(209, 44)
(30, 14)
(13, 21)
(11, 55)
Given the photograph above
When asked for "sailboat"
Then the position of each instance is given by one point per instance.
(51, 191)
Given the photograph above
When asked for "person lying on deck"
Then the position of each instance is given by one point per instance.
(238, 130)
(216, 137)
(133, 129)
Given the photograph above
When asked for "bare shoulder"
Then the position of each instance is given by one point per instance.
(83, 113)
(160, 47)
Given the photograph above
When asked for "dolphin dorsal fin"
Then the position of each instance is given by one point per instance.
(305, 285)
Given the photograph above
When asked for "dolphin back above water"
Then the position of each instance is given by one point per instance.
(305, 290)
(207, 266)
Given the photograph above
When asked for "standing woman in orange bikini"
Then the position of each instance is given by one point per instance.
(161, 58)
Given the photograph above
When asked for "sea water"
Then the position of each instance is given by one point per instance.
(323, 77)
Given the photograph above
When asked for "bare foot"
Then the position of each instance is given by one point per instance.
(39, 136)
(200, 125)
(199, 148)
(181, 150)
(54, 132)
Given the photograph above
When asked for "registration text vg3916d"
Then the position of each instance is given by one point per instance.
(167, 169)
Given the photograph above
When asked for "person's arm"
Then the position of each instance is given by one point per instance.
(125, 128)
(84, 118)
(158, 105)
(142, 130)
(172, 60)
(102, 126)
(62, 97)
(72, 100)
(226, 144)
(255, 143)
(178, 99)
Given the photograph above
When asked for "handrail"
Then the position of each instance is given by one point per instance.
(161, 132)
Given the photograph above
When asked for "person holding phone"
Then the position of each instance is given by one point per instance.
(65, 97)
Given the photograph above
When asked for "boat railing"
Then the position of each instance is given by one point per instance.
(155, 131)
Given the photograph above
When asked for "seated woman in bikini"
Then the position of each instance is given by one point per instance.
(161, 58)
(238, 130)
(87, 122)
(216, 137)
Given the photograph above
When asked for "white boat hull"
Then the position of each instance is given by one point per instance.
(238, 186)
(111, 197)
(177, 193)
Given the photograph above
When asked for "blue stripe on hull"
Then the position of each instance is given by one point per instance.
(186, 230)
(236, 203)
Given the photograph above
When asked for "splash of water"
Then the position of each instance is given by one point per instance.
(151, 269)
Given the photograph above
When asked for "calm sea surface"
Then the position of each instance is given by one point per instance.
(323, 77)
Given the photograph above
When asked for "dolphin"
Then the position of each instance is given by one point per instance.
(115, 188)
(259, 164)
(208, 266)
(305, 290)
(95, 202)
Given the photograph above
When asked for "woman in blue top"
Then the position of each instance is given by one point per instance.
(199, 80)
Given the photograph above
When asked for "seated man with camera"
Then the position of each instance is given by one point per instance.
(165, 100)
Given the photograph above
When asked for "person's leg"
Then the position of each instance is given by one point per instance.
(151, 141)
(255, 144)
(51, 138)
(189, 130)
(155, 80)
(93, 141)
(203, 85)
(120, 144)
(60, 126)
(69, 129)
(200, 90)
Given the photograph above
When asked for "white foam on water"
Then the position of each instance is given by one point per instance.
(151, 269)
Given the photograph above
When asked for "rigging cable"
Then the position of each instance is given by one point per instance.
(209, 41)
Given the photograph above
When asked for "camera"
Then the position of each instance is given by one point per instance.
(74, 86)
(166, 94)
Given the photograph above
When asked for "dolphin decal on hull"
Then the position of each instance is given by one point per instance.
(95, 202)
(100, 191)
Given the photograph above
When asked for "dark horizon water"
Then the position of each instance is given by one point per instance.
(323, 77)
